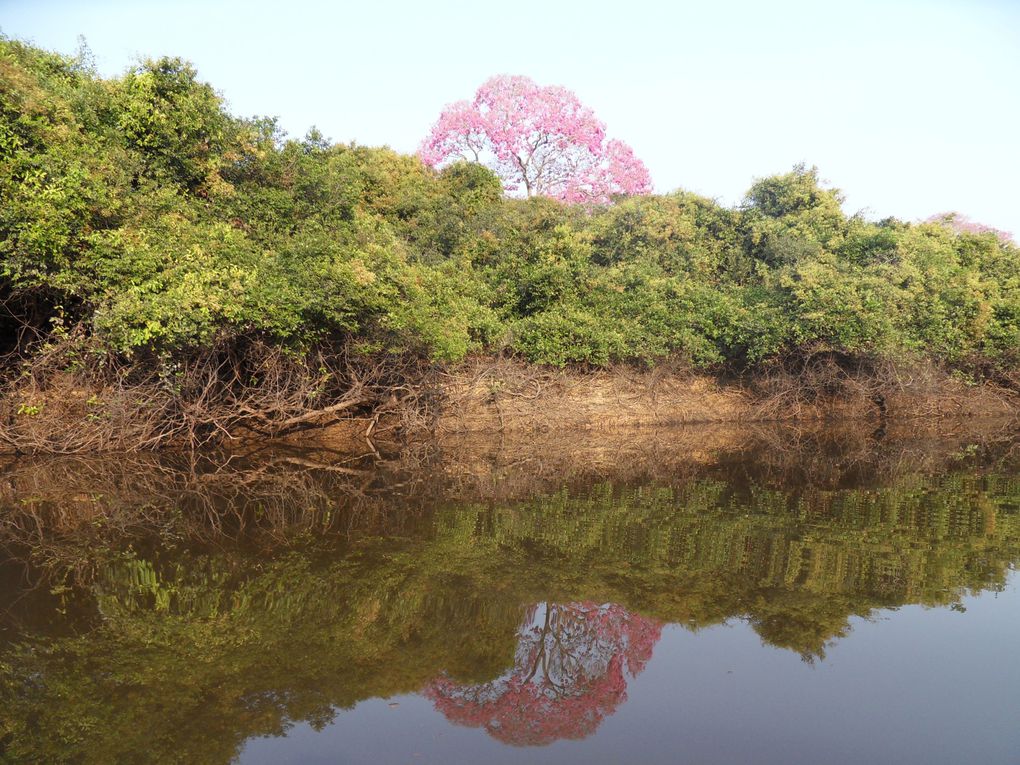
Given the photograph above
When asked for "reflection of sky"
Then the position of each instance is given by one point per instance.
(911, 106)
(913, 686)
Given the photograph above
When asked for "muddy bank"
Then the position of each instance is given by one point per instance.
(486, 399)
(427, 402)
(507, 396)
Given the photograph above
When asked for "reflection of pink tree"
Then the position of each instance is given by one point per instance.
(570, 671)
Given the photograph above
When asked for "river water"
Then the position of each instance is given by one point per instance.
(769, 600)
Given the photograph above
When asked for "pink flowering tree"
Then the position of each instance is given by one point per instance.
(541, 141)
(961, 224)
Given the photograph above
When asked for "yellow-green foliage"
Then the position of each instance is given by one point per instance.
(139, 208)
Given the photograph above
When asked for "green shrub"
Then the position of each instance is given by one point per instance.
(140, 210)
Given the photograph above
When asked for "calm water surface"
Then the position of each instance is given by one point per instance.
(835, 602)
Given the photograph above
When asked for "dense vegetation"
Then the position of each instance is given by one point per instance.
(143, 225)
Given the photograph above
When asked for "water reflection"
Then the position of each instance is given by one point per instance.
(570, 671)
(259, 595)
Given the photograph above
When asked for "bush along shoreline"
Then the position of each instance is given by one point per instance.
(171, 274)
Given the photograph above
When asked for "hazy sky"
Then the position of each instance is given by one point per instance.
(910, 107)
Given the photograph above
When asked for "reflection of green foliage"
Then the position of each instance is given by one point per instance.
(193, 652)
(779, 560)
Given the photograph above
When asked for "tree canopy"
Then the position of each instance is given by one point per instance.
(142, 215)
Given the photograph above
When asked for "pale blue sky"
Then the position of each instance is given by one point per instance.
(910, 107)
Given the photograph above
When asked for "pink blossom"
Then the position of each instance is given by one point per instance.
(539, 140)
(961, 224)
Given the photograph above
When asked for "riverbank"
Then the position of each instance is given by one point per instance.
(488, 397)
(493, 399)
